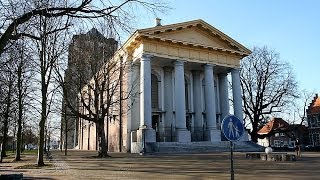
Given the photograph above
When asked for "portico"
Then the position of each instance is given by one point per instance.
(180, 72)
(183, 72)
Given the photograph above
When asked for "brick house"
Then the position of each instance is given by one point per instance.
(278, 133)
(313, 117)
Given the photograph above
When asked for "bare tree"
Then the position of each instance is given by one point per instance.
(302, 104)
(8, 79)
(23, 80)
(268, 86)
(16, 15)
(50, 49)
(39, 19)
(99, 86)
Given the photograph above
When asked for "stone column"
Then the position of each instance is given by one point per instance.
(133, 101)
(224, 95)
(168, 105)
(236, 92)
(198, 121)
(145, 101)
(213, 134)
(182, 134)
(237, 99)
(135, 98)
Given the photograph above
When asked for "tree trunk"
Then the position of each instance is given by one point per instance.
(42, 129)
(65, 133)
(61, 138)
(48, 141)
(254, 136)
(254, 133)
(6, 122)
(20, 107)
(44, 89)
(5, 138)
(103, 148)
(19, 137)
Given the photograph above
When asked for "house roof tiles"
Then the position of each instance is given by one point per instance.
(273, 125)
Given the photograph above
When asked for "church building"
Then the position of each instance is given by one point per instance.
(179, 75)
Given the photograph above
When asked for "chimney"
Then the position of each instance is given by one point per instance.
(158, 22)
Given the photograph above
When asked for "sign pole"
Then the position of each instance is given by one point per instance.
(232, 128)
(231, 161)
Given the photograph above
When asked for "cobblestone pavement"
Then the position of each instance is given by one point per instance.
(84, 165)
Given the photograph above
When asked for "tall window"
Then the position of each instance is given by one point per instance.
(186, 88)
(154, 92)
(203, 95)
(218, 115)
(316, 139)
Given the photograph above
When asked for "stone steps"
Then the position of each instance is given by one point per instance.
(201, 147)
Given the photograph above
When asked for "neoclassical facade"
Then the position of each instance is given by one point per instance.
(180, 77)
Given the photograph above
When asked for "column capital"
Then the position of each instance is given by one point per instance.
(209, 66)
(196, 72)
(167, 68)
(179, 62)
(223, 74)
(146, 57)
(236, 69)
(134, 66)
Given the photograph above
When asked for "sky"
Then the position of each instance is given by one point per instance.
(289, 27)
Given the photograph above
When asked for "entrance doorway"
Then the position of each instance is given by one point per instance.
(155, 126)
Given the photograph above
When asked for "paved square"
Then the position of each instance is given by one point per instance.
(83, 165)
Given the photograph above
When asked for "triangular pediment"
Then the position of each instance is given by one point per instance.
(194, 33)
(195, 36)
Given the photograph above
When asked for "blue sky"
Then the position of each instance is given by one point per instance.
(290, 27)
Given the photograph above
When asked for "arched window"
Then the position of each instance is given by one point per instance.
(154, 92)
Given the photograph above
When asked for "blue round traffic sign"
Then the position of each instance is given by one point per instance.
(232, 128)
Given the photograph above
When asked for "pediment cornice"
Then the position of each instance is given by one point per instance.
(156, 33)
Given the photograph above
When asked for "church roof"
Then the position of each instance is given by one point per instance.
(202, 33)
(273, 125)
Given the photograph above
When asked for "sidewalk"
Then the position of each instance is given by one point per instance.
(83, 165)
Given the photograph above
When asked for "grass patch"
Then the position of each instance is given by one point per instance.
(25, 152)
(28, 152)
(33, 166)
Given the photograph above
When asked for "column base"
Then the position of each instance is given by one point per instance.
(214, 135)
(150, 134)
(199, 134)
(245, 136)
(183, 135)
